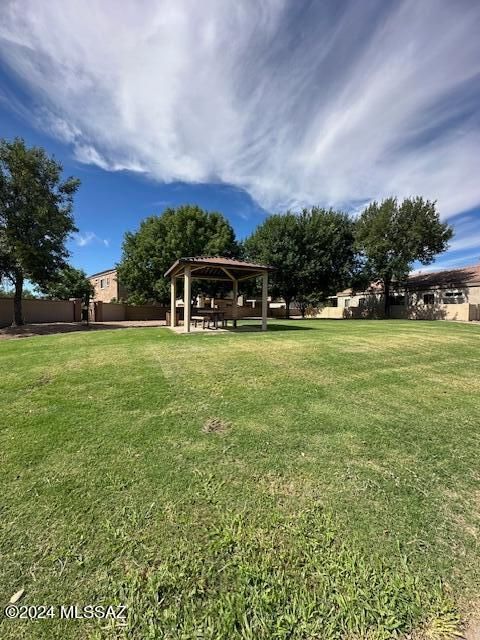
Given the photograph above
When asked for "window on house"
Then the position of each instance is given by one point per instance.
(346, 303)
(331, 302)
(108, 282)
(397, 298)
(453, 297)
(102, 283)
(428, 298)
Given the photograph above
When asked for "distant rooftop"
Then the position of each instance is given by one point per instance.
(101, 273)
(454, 277)
(461, 276)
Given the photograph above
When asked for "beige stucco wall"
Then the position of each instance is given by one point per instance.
(145, 312)
(330, 312)
(38, 311)
(113, 312)
(372, 307)
(359, 306)
(112, 289)
(353, 301)
(473, 295)
(460, 312)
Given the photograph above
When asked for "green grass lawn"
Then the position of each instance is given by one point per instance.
(339, 499)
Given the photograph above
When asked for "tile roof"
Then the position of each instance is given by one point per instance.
(219, 261)
(454, 277)
(461, 276)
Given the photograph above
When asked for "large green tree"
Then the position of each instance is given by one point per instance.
(313, 253)
(178, 232)
(69, 283)
(328, 254)
(277, 242)
(392, 236)
(35, 217)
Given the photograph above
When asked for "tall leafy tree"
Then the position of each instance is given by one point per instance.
(392, 236)
(313, 253)
(187, 230)
(278, 242)
(69, 283)
(328, 254)
(35, 217)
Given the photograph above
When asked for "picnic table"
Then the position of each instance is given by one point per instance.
(208, 316)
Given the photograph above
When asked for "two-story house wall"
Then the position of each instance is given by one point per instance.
(107, 286)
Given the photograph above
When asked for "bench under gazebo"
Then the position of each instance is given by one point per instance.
(214, 268)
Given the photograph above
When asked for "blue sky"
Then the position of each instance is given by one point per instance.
(247, 108)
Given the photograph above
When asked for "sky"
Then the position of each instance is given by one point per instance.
(247, 108)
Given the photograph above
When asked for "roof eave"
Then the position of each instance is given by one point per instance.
(249, 268)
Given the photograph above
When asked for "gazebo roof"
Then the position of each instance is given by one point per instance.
(218, 268)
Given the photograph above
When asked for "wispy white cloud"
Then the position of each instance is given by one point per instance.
(84, 239)
(467, 234)
(464, 248)
(161, 203)
(298, 103)
(462, 242)
(89, 237)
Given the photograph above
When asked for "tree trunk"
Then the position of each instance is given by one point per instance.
(17, 301)
(287, 308)
(386, 294)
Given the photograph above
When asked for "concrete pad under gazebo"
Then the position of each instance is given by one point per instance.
(214, 268)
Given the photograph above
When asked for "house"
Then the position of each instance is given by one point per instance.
(452, 294)
(107, 286)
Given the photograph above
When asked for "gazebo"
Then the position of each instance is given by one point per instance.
(214, 268)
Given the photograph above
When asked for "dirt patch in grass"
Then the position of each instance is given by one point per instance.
(51, 328)
(216, 425)
(45, 379)
(299, 488)
(471, 630)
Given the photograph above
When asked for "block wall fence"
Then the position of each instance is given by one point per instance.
(42, 311)
(45, 311)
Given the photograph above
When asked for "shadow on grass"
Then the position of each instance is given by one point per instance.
(50, 328)
(271, 327)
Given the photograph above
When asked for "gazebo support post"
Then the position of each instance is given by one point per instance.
(235, 303)
(187, 298)
(173, 302)
(264, 300)
(214, 268)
